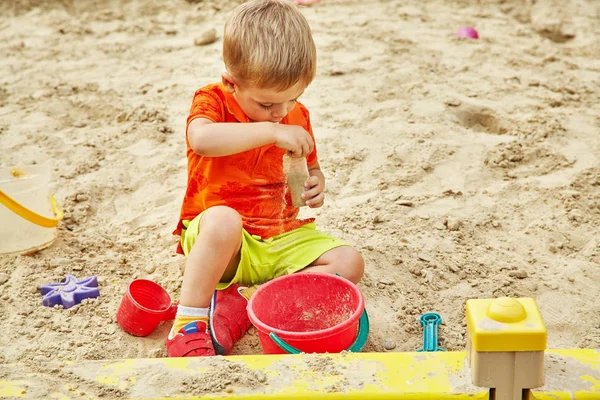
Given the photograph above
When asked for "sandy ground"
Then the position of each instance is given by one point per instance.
(461, 168)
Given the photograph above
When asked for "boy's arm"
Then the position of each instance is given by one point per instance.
(212, 139)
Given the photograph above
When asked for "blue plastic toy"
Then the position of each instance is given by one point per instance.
(70, 292)
(430, 323)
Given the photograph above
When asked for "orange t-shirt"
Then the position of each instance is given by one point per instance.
(251, 182)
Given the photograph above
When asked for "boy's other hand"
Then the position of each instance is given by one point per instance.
(295, 139)
(313, 192)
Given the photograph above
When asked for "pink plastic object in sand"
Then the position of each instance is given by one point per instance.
(144, 305)
(467, 32)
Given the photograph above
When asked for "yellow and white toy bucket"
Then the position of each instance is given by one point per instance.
(29, 215)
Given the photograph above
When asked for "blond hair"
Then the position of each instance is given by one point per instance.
(268, 43)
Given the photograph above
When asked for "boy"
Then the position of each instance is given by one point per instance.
(238, 225)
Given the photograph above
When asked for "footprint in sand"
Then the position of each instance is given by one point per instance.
(479, 119)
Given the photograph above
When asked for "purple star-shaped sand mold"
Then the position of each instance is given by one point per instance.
(70, 292)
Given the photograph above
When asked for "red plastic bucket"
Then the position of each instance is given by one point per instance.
(310, 313)
(144, 305)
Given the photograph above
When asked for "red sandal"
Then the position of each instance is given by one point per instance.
(228, 318)
(193, 340)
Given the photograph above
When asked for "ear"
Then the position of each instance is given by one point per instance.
(228, 82)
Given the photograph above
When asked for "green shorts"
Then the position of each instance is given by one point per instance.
(263, 260)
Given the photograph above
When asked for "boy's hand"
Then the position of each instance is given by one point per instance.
(313, 192)
(295, 139)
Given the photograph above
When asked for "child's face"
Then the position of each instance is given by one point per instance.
(262, 105)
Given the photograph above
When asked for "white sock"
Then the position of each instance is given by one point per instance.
(192, 311)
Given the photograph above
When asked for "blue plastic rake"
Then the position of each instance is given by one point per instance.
(430, 323)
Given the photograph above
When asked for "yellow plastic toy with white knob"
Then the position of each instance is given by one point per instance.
(505, 345)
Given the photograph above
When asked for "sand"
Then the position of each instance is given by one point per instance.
(460, 168)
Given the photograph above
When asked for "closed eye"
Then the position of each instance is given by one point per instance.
(270, 106)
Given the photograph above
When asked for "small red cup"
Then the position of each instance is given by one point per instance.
(144, 305)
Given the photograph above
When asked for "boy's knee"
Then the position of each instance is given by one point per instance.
(222, 222)
(354, 265)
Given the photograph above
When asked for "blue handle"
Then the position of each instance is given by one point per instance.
(430, 323)
(357, 346)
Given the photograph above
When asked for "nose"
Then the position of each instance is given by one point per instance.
(279, 111)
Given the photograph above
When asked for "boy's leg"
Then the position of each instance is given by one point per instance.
(214, 256)
(344, 260)
(307, 249)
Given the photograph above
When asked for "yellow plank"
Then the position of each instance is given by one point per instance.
(571, 374)
(367, 375)
(589, 357)
(12, 388)
(349, 376)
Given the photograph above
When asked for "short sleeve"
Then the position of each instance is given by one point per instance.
(206, 104)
